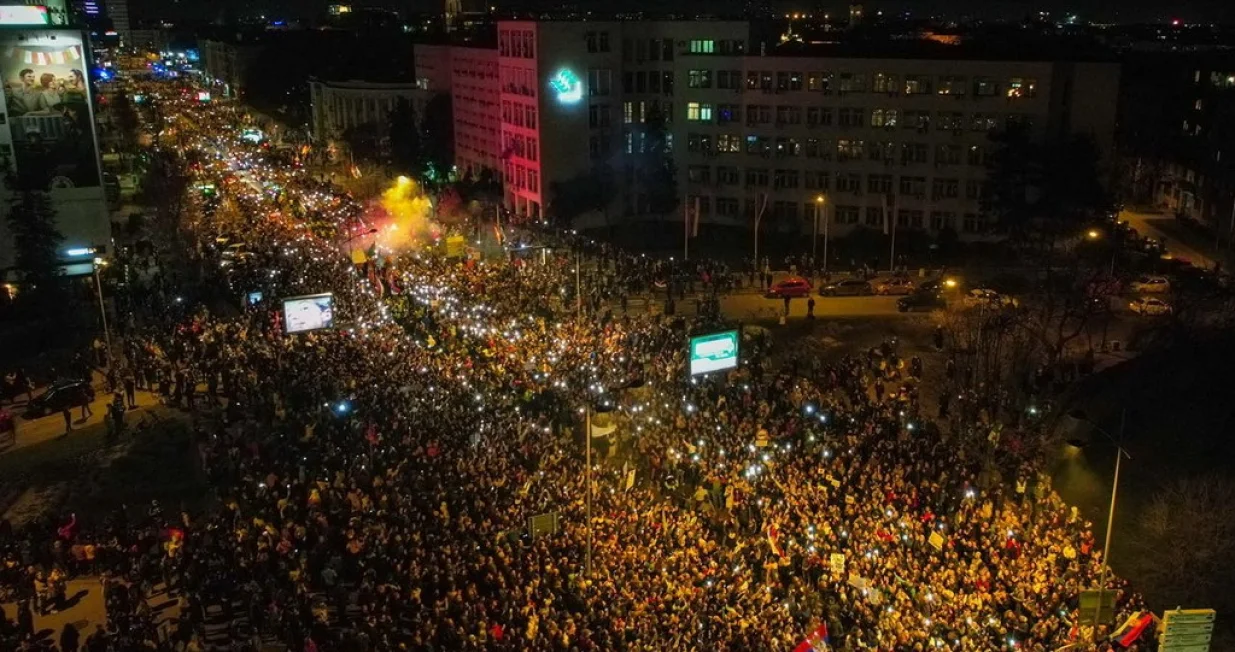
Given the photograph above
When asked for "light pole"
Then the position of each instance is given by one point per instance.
(600, 408)
(100, 263)
(1093, 235)
(1120, 453)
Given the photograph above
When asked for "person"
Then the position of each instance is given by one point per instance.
(786, 306)
(67, 413)
(130, 389)
(810, 308)
(27, 98)
(49, 89)
(69, 638)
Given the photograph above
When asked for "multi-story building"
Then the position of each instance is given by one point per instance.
(865, 138)
(227, 63)
(118, 11)
(339, 106)
(476, 101)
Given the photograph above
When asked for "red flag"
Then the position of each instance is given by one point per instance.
(816, 640)
(1132, 628)
(774, 540)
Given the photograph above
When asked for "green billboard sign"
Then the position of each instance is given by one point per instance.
(714, 352)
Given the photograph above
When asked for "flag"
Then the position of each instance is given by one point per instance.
(773, 533)
(694, 230)
(816, 640)
(1132, 628)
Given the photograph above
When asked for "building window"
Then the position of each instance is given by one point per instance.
(788, 115)
(974, 189)
(598, 116)
(699, 174)
(757, 178)
(884, 117)
(849, 149)
(845, 215)
(976, 156)
(951, 85)
(727, 113)
(941, 220)
(727, 176)
(984, 122)
(728, 79)
(917, 84)
(920, 120)
(758, 145)
(819, 82)
(785, 179)
(879, 184)
(973, 223)
(699, 78)
(950, 121)
(947, 154)
(727, 206)
(884, 83)
(728, 143)
(852, 117)
(818, 116)
(817, 179)
(874, 216)
(533, 181)
(913, 187)
(599, 81)
(1022, 87)
(847, 182)
(914, 153)
(703, 47)
(851, 82)
(985, 87)
(698, 112)
(945, 189)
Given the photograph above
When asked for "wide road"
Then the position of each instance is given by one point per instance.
(748, 307)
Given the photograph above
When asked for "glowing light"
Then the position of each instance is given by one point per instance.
(568, 86)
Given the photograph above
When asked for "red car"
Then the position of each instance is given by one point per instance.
(794, 286)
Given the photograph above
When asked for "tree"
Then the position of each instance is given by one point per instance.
(32, 222)
(405, 144)
(1185, 547)
(590, 191)
(1013, 177)
(654, 166)
(364, 141)
(437, 128)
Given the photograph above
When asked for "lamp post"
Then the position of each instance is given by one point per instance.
(814, 241)
(1120, 453)
(600, 408)
(100, 263)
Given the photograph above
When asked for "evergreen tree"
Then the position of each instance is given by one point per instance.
(32, 222)
(405, 145)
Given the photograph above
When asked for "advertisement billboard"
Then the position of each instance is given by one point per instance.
(50, 127)
(713, 352)
(308, 313)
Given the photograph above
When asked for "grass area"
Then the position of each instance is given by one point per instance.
(82, 473)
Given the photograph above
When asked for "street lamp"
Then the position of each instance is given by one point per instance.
(820, 211)
(1093, 234)
(100, 263)
(602, 407)
(1080, 421)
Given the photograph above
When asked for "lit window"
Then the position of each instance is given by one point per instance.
(702, 47)
(1022, 87)
(698, 112)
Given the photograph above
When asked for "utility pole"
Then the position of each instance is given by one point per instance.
(763, 202)
(98, 284)
(578, 285)
(587, 434)
(1110, 519)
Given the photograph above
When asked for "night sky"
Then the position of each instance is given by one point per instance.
(1100, 10)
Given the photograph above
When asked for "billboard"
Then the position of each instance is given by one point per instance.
(50, 127)
(308, 313)
(714, 352)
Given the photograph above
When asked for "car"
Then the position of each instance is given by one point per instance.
(987, 297)
(893, 286)
(1150, 285)
(921, 301)
(64, 394)
(794, 286)
(1149, 306)
(848, 288)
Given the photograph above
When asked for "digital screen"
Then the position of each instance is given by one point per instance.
(23, 15)
(253, 298)
(308, 313)
(714, 352)
(47, 98)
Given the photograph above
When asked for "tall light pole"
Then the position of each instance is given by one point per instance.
(1110, 517)
(99, 263)
(600, 408)
(821, 212)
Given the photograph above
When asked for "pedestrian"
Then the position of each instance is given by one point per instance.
(67, 413)
(810, 308)
(786, 306)
(69, 638)
(130, 389)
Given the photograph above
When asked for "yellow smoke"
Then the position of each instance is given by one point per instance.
(409, 212)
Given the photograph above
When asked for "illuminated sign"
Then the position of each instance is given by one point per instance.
(23, 15)
(78, 252)
(567, 86)
(714, 352)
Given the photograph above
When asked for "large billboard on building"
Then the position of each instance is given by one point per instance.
(48, 136)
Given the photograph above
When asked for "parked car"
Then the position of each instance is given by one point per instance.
(988, 297)
(894, 286)
(1149, 306)
(62, 394)
(921, 301)
(794, 286)
(848, 288)
(1150, 285)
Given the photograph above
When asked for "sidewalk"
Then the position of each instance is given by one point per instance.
(51, 427)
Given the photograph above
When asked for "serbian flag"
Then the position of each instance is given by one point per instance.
(774, 540)
(816, 640)
(1133, 627)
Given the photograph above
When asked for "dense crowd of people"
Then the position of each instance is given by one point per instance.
(375, 480)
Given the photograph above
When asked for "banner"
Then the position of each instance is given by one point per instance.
(47, 98)
(816, 640)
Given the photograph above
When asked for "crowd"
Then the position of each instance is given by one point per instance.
(375, 481)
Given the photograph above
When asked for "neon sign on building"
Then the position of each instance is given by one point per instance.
(567, 85)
